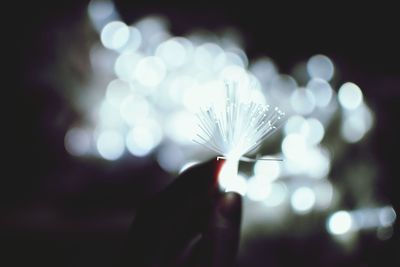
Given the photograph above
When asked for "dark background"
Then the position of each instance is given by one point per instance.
(57, 211)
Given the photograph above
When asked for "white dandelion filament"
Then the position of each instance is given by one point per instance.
(232, 128)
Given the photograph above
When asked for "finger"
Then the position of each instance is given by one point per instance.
(221, 239)
(166, 223)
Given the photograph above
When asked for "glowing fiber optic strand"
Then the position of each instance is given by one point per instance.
(233, 127)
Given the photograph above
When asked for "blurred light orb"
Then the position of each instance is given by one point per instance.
(172, 52)
(282, 86)
(316, 162)
(117, 91)
(125, 65)
(236, 52)
(356, 123)
(100, 12)
(264, 69)
(178, 86)
(202, 95)
(367, 115)
(154, 41)
(151, 26)
(194, 98)
(294, 124)
(134, 40)
(350, 96)
(171, 158)
(134, 109)
(233, 59)
(339, 223)
(277, 195)
(115, 35)
(269, 170)
(100, 9)
(219, 62)
(324, 194)
(321, 90)
(181, 127)
(320, 66)
(110, 145)
(387, 216)
(141, 140)
(302, 200)
(302, 101)
(384, 233)
(313, 130)
(227, 58)
(258, 188)
(77, 142)
(206, 54)
(109, 116)
(294, 146)
(353, 129)
(150, 71)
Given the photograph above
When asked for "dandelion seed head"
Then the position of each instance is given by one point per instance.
(233, 125)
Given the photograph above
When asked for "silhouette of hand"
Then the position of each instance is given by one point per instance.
(190, 223)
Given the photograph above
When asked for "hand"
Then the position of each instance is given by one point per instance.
(190, 223)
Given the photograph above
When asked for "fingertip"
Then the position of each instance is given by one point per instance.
(221, 238)
(230, 206)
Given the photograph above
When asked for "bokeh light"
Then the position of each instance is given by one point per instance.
(294, 146)
(150, 71)
(77, 142)
(125, 65)
(101, 12)
(258, 188)
(313, 130)
(134, 41)
(110, 145)
(172, 52)
(340, 223)
(115, 35)
(320, 66)
(143, 138)
(268, 169)
(321, 90)
(302, 101)
(387, 216)
(277, 195)
(302, 200)
(117, 91)
(350, 96)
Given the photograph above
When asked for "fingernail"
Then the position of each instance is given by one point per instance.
(230, 206)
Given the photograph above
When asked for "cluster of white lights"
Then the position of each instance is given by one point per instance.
(344, 222)
(155, 84)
